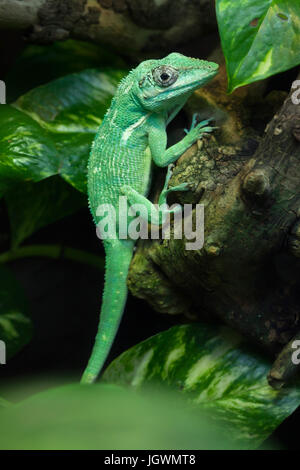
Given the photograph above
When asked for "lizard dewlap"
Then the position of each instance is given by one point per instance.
(131, 138)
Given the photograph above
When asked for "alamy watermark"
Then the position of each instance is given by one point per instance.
(295, 97)
(296, 354)
(132, 222)
(2, 352)
(2, 92)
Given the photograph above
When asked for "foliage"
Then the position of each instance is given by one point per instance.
(39, 64)
(15, 324)
(45, 139)
(215, 369)
(108, 417)
(259, 38)
(49, 130)
(32, 206)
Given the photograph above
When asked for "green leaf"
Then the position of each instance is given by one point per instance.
(3, 403)
(15, 325)
(107, 417)
(39, 64)
(213, 368)
(259, 38)
(32, 206)
(49, 130)
(26, 152)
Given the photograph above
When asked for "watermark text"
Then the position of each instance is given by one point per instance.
(295, 96)
(296, 354)
(2, 92)
(131, 221)
(2, 352)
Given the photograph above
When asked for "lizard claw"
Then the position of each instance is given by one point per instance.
(199, 125)
(210, 128)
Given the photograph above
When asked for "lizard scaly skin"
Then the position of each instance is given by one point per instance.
(130, 139)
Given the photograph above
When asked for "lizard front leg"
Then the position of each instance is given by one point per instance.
(158, 141)
(162, 157)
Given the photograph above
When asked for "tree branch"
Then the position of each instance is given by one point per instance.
(18, 14)
(130, 26)
(247, 273)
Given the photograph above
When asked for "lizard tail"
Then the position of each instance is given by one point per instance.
(118, 258)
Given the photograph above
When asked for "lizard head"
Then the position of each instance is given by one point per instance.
(161, 84)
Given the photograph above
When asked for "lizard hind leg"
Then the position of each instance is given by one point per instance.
(165, 191)
(155, 215)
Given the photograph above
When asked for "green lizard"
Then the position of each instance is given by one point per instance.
(131, 137)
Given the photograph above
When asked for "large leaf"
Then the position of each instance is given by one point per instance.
(259, 38)
(39, 64)
(107, 417)
(49, 130)
(3, 403)
(15, 325)
(32, 206)
(214, 368)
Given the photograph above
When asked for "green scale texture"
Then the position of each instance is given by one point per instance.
(115, 161)
(131, 136)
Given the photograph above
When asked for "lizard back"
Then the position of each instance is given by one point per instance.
(119, 156)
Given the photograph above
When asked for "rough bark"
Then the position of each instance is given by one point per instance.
(136, 27)
(247, 175)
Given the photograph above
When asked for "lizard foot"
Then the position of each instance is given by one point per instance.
(194, 123)
(179, 187)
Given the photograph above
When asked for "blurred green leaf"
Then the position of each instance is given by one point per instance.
(49, 130)
(39, 64)
(108, 417)
(15, 325)
(259, 38)
(32, 206)
(3, 403)
(214, 368)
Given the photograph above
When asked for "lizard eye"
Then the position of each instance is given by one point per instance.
(165, 75)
